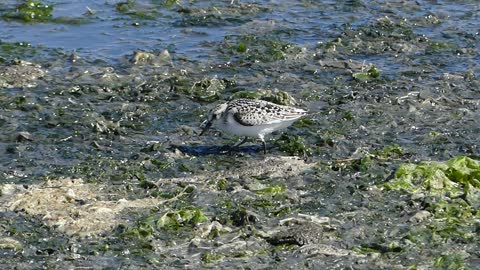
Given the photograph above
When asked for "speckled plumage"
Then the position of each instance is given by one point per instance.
(249, 112)
(252, 118)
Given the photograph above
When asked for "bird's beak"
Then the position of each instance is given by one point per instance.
(205, 127)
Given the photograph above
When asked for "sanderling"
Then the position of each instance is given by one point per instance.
(251, 118)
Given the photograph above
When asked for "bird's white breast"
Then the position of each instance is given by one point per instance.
(230, 125)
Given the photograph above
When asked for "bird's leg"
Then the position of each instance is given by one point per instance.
(241, 142)
(229, 148)
(264, 146)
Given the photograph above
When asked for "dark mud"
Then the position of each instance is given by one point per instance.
(101, 165)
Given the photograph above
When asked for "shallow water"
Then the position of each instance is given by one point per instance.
(388, 83)
(110, 34)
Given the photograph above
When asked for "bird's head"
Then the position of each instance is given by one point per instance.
(213, 116)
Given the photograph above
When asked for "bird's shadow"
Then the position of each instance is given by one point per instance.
(205, 150)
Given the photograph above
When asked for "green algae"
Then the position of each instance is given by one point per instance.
(124, 7)
(15, 50)
(304, 123)
(293, 145)
(136, 11)
(360, 164)
(222, 184)
(242, 47)
(377, 248)
(156, 222)
(451, 190)
(211, 257)
(219, 14)
(252, 48)
(103, 168)
(170, 3)
(162, 164)
(269, 204)
(369, 159)
(176, 219)
(208, 89)
(31, 11)
(142, 229)
(368, 76)
(439, 46)
(279, 97)
(275, 96)
(458, 175)
(272, 190)
(389, 151)
(451, 262)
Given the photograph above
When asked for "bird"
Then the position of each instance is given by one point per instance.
(251, 118)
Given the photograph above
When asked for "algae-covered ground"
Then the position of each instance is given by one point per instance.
(102, 166)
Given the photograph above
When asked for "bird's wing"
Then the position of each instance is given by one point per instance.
(246, 119)
(266, 118)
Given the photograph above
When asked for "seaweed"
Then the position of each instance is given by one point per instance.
(31, 11)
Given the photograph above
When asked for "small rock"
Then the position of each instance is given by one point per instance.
(24, 136)
(74, 57)
(102, 210)
(165, 56)
(332, 64)
(89, 12)
(140, 57)
(188, 130)
(70, 195)
(298, 234)
(417, 196)
(420, 216)
(452, 77)
(10, 243)
(243, 217)
(215, 227)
